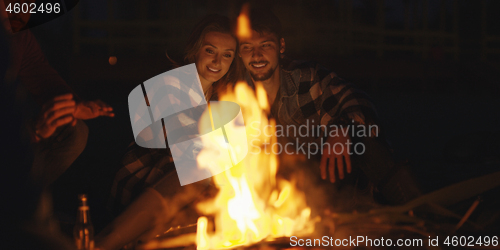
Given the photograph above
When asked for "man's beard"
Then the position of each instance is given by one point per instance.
(262, 77)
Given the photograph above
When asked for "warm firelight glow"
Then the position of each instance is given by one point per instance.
(252, 204)
(112, 60)
(244, 28)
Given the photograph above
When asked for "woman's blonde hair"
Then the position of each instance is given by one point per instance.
(213, 23)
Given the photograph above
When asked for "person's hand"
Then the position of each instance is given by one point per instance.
(336, 155)
(91, 109)
(55, 113)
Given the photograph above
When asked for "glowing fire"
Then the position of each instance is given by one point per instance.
(252, 204)
(244, 30)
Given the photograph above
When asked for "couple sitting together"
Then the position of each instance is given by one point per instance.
(147, 191)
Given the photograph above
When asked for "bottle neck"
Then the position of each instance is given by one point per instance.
(83, 214)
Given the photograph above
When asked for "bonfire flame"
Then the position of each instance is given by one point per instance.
(244, 29)
(252, 204)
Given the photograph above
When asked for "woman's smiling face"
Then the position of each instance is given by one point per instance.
(215, 57)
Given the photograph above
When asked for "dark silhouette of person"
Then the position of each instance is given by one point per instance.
(57, 132)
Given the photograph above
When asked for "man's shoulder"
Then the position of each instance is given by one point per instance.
(311, 70)
(292, 65)
(308, 73)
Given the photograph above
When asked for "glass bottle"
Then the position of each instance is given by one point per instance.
(84, 230)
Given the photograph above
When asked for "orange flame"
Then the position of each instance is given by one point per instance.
(244, 28)
(252, 204)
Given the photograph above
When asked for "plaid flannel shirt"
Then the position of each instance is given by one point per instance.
(311, 94)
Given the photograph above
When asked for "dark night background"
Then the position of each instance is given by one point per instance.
(431, 67)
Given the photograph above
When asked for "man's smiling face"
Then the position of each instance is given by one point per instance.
(260, 54)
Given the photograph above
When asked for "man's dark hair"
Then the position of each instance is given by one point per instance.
(263, 20)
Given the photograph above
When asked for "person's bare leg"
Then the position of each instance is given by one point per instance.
(145, 213)
(148, 215)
